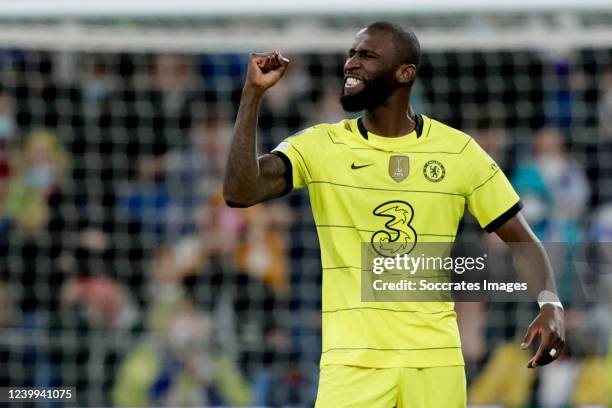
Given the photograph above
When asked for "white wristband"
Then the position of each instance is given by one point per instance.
(558, 304)
(548, 297)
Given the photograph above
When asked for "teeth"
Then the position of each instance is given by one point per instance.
(351, 81)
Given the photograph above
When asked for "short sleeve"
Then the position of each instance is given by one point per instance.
(296, 153)
(491, 198)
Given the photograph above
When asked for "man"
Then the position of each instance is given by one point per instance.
(390, 175)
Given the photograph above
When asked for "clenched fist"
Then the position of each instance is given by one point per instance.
(265, 69)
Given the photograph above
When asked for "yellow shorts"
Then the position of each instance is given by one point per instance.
(348, 386)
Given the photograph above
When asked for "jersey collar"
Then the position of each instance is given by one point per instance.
(392, 144)
(418, 128)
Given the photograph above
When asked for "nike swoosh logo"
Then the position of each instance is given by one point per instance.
(355, 167)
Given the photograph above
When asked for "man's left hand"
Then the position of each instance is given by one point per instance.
(549, 325)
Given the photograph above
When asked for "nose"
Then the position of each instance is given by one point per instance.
(351, 63)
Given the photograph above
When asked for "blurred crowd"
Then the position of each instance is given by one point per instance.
(123, 273)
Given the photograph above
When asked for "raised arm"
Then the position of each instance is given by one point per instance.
(249, 179)
(533, 265)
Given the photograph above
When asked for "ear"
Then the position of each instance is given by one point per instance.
(405, 73)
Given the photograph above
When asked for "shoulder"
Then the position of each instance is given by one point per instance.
(312, 132)
(320, 133)
(446, 137)
(341, 126)
(330, 129)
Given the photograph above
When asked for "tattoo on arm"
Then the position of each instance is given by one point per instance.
(248, 179)
(272, 170)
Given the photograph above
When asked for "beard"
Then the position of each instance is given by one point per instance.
(374, 93)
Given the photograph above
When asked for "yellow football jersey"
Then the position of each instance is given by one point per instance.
(355, 179)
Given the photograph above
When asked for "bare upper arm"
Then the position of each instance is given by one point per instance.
(516, 229)
(275, 176)
(270, 179)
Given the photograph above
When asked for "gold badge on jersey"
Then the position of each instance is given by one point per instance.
(399, 167)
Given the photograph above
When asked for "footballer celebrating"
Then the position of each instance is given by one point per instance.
(390, 174)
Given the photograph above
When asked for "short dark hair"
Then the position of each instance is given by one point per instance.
(405, 41)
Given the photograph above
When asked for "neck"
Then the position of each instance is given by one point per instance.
(393, 118)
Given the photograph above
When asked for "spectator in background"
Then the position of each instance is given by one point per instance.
(96, 86)
(171, 182)
(492, 137)
(591, 326)
(144, 203)
(555, 192)
(194, 171)
(174, 90)
(92, 295)
(560, 96)
(179, 364)
(605, 105)
(7, 131)
(263, 252)
(600, 151)
(236, 266)
(7, 309)
(7, 320)
(41, 167)
(33, 208)
(215, 239)
(174, 77)
(568, 184)
(554, 189)
(261, 291)
(105, 303)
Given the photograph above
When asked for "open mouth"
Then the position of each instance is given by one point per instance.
(352, 83)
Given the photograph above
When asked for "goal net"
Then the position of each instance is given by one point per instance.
(124, 275)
